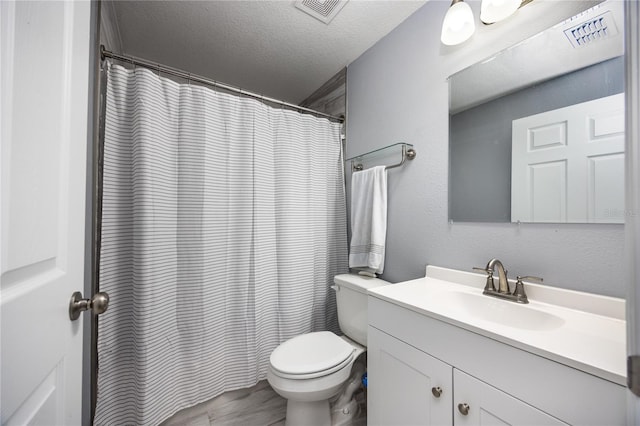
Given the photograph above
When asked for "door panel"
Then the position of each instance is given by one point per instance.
(548, 182)
(568, 164)
(401, 378)
(45, 70)
(490, 406)
(606, 188)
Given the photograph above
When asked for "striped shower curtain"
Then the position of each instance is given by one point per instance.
(223, 224)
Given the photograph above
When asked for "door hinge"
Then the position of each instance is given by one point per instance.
(633, 374)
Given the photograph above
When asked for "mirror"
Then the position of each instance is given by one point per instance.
(537, 131)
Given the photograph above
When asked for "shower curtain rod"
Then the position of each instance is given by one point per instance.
(104, 53)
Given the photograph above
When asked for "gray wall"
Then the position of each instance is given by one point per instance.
(398, 91)
(109, 30)
(480, 138)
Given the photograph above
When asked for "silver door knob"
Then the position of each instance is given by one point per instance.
(463, 408)
(436, 391)
(98, 304)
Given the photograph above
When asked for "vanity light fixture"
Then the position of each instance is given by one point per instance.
(458, 25)
(496, 10)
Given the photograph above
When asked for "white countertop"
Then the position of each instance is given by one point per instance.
(581, 330)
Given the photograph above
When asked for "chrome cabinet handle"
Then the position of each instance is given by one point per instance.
(436, 391)
(98, 303)
(463, 408)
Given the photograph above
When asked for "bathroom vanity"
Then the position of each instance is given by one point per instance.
(440, 352)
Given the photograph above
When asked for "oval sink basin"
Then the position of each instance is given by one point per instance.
(503, 312)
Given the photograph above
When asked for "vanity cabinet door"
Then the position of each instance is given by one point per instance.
(486, 405)
(406, 386)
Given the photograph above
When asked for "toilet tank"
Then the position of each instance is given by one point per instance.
(351, 298)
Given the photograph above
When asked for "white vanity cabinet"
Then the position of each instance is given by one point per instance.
(410, 354)
(410, 387)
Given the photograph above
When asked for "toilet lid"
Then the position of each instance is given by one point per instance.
(310, 353)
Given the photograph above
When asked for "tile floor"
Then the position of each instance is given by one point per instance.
(256, 406)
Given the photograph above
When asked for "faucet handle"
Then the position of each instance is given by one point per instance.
(530, 278)
(518, 292)
(489, 286)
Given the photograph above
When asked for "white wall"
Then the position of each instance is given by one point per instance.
(397, 91)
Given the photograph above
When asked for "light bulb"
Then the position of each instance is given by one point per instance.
(496, 10)
(458, 24)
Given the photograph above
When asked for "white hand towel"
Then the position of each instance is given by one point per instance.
(368, 219)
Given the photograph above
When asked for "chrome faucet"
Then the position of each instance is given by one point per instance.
(503, 283)
(503, 291)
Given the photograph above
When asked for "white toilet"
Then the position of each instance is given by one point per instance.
(312, 368)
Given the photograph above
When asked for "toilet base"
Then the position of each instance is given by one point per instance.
(346, 414)
(308, 413)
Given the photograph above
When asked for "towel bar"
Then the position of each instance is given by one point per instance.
(408, 153)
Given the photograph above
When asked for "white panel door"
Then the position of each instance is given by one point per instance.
(405, 386)
(45, 87)
(567, 165)
(477, 403)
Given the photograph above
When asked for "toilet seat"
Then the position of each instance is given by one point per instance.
(311, 355)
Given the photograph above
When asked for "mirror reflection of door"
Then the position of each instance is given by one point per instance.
(568, 164)
(546, 72)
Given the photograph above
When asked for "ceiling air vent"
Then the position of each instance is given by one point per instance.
(322, 10)
(592, 30)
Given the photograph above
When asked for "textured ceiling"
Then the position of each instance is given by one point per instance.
(269, 47)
